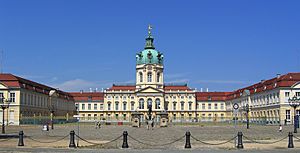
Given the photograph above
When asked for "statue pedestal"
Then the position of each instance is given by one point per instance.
(136, 119)
(163, 119)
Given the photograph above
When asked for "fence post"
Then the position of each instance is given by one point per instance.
(125, 143)
(188, 140)
(72, 139)
(21, 141)
(240, 140)
(290, 143)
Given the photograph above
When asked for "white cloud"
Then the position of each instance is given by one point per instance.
(80, 84)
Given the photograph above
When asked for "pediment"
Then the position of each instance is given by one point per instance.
(149, 90)
(3, 86)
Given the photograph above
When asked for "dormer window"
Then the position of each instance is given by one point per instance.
(209, 97)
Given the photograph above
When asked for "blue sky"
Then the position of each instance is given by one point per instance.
(220, 45)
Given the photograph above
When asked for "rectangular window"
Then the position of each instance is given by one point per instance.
(12, 97)
(216, 106)
(190, 106)
(297, 94)
(89, 106)
(95, 116)
(174, 106)
(77, 106)
(222, 106)
(287, 114)
(287, 94)
(82, 106)
(132, 106)
(95, 107)
(1, 97)
(89, 116)
(203, 106)
(101, 106)
(209, 106)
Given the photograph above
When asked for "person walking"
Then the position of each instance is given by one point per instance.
(280, 128)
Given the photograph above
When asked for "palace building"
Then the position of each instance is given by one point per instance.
(26, 98)
(267, 100)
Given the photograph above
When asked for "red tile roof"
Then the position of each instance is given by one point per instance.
(286, 80)
(13, 81)
(88, 96)
(123, 88)
(211, 96)
(175, 88)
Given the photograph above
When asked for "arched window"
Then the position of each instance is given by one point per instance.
(141, 76)
(174, 105)
(182, 105)
(109, 106)
(166, 105)
(117, 105)
(158, 77)
(149, 77)
(124, 105)
(157, 103)
(132, 106)
(149, 103)
(141, 103)
(190, 105)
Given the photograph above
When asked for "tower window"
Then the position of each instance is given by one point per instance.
(158, 77)
(149, 77)
(141, 77)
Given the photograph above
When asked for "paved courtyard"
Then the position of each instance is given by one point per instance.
(168, 138)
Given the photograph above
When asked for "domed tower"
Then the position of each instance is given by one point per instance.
(149, 66)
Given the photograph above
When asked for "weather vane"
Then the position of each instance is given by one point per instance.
(149, 29)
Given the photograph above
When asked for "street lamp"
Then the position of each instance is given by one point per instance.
(51, 107)
(4, 105)
(294, 102)
(247, 109)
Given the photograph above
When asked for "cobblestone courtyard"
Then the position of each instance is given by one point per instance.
(150, 139)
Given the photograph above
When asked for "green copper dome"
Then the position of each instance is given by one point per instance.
(149, 55)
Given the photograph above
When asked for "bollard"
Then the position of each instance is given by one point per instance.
(72, 139)
(125, 143)
(290, 143)
(240, 140)
(21, 141)
(188, 140)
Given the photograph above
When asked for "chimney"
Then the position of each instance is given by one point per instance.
(201, 89)
(81, 91)
(102, 90)
(91, 90)
(206, 89)
(96, 89)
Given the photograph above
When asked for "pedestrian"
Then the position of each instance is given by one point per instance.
(280, 128)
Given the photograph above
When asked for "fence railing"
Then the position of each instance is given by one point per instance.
(185, 140)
